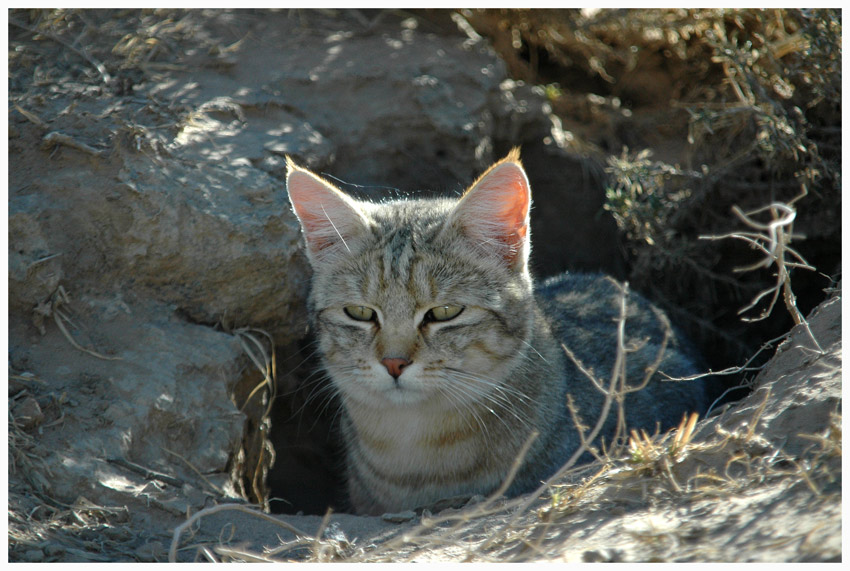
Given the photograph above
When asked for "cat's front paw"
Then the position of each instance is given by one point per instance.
(454, 502)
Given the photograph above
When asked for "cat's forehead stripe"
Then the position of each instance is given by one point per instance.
(400, 259)
(398, 255)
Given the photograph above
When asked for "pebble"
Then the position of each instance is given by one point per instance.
(54, 550)
(28, 413)
(400, 517)
(152, 551)
(602, 556)
(34, 555)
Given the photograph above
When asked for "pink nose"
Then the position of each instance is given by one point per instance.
(395, 365)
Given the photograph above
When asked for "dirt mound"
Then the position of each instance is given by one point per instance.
(157, 288)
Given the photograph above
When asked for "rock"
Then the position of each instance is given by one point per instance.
(34, 555)
(27, 413)
(796, 392)
(54, 551)
(161, 399)
(35, 270)
(400, 517)
(601, 556)
(153, 551)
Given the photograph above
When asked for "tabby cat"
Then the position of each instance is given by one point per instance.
(445, 358)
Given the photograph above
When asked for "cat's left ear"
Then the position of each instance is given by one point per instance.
(494, 211)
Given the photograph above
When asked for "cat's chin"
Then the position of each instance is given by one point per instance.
(388, 393)
(394, 396)
(404, 397)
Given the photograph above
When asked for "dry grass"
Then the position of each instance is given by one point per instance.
(82, 531)
(667, 468)
(53, 307)
(257, 455)
(38, 522)
(773, 240)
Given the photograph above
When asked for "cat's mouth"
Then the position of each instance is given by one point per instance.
(405, 390)
(401, 396)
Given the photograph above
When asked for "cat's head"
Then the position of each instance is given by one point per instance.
(419, 301)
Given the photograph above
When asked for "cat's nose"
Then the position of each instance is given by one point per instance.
(395, 365)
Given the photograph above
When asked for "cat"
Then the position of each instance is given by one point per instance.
(445, 358)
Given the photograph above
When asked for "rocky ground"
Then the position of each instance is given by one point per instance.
(157, 287)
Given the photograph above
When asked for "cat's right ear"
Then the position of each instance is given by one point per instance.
(330, 220)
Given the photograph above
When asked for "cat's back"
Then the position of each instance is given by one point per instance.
(584, 311)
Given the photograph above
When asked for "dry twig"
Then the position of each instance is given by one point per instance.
(178, 531)
(52, 308)
(773, 239)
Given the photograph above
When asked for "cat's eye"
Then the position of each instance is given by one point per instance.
(359, 312)
(443, 313)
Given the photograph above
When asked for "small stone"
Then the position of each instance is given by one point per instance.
(476, 499)
(618, 510)
(54, 550)
(28, 413)
(601, 556)
(152, 551)
(34, 555)
(400, 517)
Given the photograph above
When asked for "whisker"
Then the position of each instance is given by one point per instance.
(469, 385)
(530, 346)
(468, 413)
(495, 385)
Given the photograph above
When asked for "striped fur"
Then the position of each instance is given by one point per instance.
(478, 385)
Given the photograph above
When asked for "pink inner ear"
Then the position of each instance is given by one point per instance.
(495, 211)
(327, 217)
(509, 180)
(307, 195)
